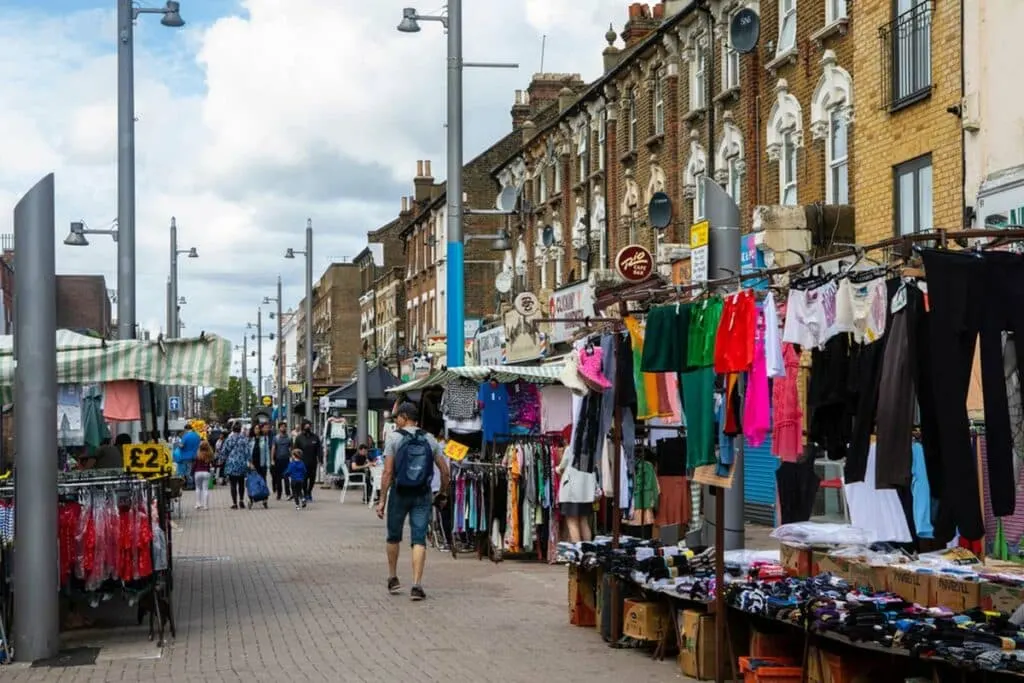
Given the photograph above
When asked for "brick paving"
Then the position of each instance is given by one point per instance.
(269, 595)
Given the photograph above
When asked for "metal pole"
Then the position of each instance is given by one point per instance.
(310, 415)
(170, 307)
(259, 352)
(456, 268)
(126, 170)
(280, 357)
(362, 402)
(37, 630)
(175, 327)
(245, 376)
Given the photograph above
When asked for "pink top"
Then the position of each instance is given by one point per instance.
(787, 435)
(757, 420)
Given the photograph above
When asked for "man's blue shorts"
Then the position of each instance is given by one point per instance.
(417, 506)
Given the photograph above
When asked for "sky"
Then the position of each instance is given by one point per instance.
(253, 117)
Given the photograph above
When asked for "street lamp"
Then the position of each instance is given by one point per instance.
(280, 348)
(258, 337)
(456, 265)
(308, 252)
(78, 231)
(127, 13)
(191, 252)
(244, 399)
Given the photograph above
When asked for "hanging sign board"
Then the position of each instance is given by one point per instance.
(708, 475)
(522, 338)
(147, 459)
(455, 450)
(634, 263)
(574, 301)
(489, 344)
(267, 401)
(752, 260)
(526, 303)
(699, 252)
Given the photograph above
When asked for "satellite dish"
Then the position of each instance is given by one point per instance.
(659, 211)
(548, 235)
(744, 30)
(503, 282)
(507, 199)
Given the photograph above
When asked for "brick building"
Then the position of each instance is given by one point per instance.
(83, 304)
(907, 56)
(336, 349)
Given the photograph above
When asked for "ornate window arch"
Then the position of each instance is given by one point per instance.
(693, 175)
(831, 116)
(730, 161)
(785, 136)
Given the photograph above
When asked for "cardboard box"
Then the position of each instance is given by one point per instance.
(796, 560)
(869, 576)
(954, 593)
(1000, 597)
(912, 586)
(817, 670)
(836, 566)
(698, 654)
(645, 620)
(582, 597)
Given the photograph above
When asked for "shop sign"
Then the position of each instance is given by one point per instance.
(470, 327)
(634, 263)
(489, 346)
(522, 338)
(147, 459)
(455, 450)
(526, 303)
(752, 260)
(1001, 200)
(575, 301)
(699, 252)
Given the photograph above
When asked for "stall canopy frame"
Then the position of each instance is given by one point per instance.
(545, 374)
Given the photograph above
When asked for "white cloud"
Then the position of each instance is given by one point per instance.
(249, 124)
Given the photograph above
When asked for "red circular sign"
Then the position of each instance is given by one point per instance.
(634, 263)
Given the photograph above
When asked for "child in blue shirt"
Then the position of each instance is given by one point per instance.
(296, 474)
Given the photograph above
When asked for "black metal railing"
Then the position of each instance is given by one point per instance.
(906, 45)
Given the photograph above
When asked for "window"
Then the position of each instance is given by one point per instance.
(698, 82)
(583, 151)
(602, 134)
(631, 133)
(909, 38)
(542, 190)
(787, 26)
(787, 171)
(838, 181)
(698, 198)
(834, 11)
(912, 194)
(659, 105)
(730, 67)
(557, 186)
(734, 182)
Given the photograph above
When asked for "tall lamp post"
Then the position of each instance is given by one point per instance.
(280, 349)
(191, 252)
(244, 399)
(308, 253)
(259, 337)
(455, 285)
(127, 13)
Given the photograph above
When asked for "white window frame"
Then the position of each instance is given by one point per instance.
(556, 185)
(699, 200)
(542, 189)
(922, 184)
(788, 172)
(730, 66)
(583, 152)
(542, 266)
(836, 192)
(602, 138)
(631, 125)
(834, 11)
(734, 184)
(787, 19)
(659, 104)
(698, 77)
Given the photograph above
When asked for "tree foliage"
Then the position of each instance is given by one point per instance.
(223, 404)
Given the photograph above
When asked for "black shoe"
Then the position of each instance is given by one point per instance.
(394, 585)
(417, 594)
(234, 506)
(303, 505)
(279, 496)
(266, 504)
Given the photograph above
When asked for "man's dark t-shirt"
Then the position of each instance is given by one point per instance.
(359, 459)
(309, 444)
(282, 446)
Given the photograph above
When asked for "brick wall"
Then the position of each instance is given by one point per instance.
(888, 138)
(82, 303)
(343, 281)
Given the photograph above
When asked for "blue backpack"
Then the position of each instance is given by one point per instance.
(414, 462)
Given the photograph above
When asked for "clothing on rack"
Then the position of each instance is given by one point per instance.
(494, 401)
(460, 399)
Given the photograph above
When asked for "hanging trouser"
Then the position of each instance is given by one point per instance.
(956, 295)
(1003, 311)
(897, 397)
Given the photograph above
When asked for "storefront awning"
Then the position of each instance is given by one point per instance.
(202, 361)
(545, 374)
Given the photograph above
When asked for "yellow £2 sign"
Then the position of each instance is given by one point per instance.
(148, 459)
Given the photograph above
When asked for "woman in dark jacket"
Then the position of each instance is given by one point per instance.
(261, 441)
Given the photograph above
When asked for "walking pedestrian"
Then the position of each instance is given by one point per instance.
(296, 473)
(204, 462)
(312, 455)
(411, 455)
(260, 444)
(280, 453)
(237, 456)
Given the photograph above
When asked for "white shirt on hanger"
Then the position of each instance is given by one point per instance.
(772, 344)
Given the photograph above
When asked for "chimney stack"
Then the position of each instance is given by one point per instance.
(423, 181)
(640, 25)
(405, 205)
(520, 109)
(545, 88)
(565, 99)
(611, 53)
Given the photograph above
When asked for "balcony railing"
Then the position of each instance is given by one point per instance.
(906, 45)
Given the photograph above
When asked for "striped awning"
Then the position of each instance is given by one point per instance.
(545, 374)
(201, 361)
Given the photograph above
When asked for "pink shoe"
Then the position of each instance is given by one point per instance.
(590, 368)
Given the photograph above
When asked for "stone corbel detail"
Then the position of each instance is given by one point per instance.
(657, 180)
(631, 197)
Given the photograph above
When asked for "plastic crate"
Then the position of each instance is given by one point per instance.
(768, 669)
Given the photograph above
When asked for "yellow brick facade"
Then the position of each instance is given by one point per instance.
(885, 136)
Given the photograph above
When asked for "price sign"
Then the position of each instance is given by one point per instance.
(455, 450)
(147, 459)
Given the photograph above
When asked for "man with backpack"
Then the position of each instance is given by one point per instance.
(411, 455)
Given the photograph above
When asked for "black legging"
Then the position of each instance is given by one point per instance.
(237, 484)
(311, 468)
(281, 483)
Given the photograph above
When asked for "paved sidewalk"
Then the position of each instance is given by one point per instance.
(269, 595)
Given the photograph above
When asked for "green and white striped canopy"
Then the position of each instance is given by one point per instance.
(202, 361)
(544, 374)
